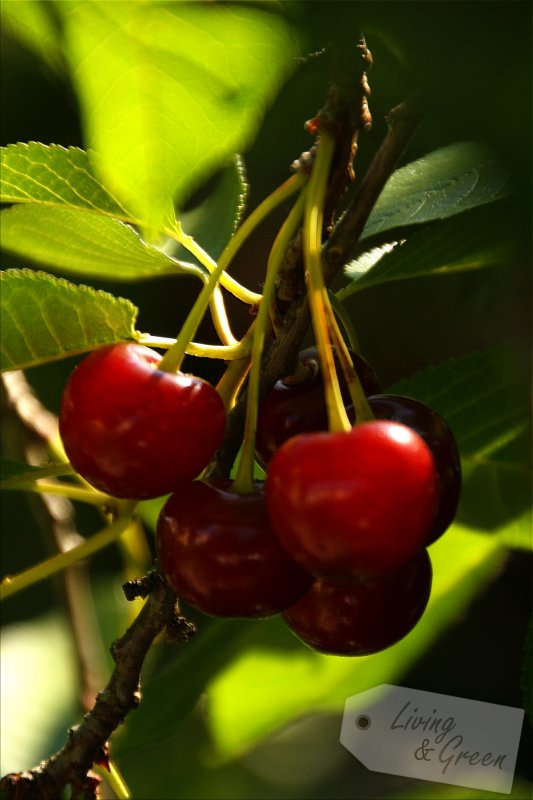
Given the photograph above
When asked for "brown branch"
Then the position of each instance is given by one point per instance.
(402, 120)
(121, 695)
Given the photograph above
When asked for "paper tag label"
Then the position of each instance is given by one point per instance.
(433, 737)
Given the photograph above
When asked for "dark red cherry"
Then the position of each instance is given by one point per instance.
(134, 431)
(296, 404)
(353, 504)
(439, 438)
(219, 552)
(362, 618)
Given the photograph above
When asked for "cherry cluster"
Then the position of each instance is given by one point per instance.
(334, 539)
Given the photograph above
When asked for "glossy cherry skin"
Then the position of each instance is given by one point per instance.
(353, 504)
(297, 406)
(219, 552)
(439, 438)
(134, 431)
(362, 618)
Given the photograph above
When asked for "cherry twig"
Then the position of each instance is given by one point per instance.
(122, 694)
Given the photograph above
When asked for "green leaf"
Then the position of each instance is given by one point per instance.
(56, 176)
(32, 23)
(496, 496)
(439, 185)
(77, 242)
(270, 684)
(475, 239)
(46, 318)
(213, 222)
(479, 396)
(169, 92)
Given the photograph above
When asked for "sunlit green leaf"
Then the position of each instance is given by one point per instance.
(474, 240)
(33, 24)
(439, 185)
(77, 242)
(169, 92)
(54, 175)
(46, 318)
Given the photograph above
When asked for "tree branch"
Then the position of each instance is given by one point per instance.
(121, 695)
(402, 120)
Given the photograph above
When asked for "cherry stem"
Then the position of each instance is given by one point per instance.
(12, 584)
(317, 293)
(227, 281)
(48, 471)
(173, 359)
(363, 412)
(342, 315)
(230, 352)
(115, 780)
(91, 496)
(244, 481)
(220, 318)
(235, 374)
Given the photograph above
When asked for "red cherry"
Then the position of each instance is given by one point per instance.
(362, 618)
(296, 405)
(134, 431)
(353, 504)
(220, 554)
(439, 438)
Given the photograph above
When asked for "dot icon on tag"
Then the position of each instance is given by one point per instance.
(363, 722)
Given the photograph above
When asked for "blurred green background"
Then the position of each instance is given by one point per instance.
(473, 61)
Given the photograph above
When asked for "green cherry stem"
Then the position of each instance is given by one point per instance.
(48, 471)
(231, 352)
(363, 412)
(172, 360)
(90, 496)
(12, 584)
(342, 315)
(229, 283)
(244, 481)
(115, 780)
(278, 196)
(220, 318)
(235, 374)
(317, 293)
